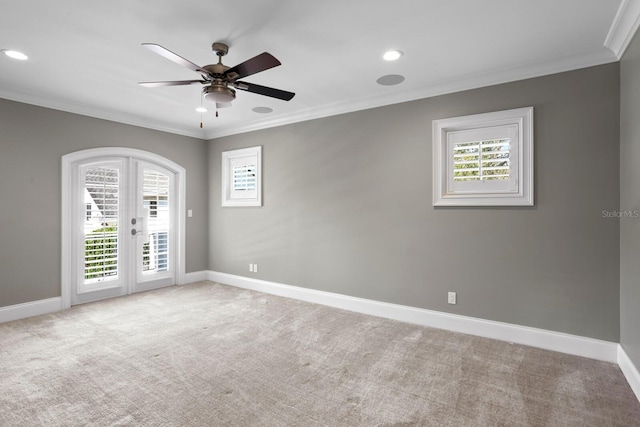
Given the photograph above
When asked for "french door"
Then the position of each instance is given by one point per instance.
(124, 211)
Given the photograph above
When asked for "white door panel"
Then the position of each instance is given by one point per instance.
(124, 214)
(155, 215)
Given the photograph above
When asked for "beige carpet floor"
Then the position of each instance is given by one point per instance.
(212, 355)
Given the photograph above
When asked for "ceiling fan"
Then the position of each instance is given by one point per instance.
(218, 80)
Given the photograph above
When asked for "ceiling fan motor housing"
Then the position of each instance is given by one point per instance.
(220, 49)
(218, 93)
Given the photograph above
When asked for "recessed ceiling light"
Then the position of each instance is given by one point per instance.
(392, 55)
(15, 54)
(262, 110)
(201, 110)
(390, 80)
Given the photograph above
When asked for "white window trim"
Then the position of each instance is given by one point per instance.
(522, 195)
(254, 198)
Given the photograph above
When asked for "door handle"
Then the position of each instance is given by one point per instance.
(133, 230)
(142, 223)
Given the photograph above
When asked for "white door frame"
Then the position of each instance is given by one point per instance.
(69, 229)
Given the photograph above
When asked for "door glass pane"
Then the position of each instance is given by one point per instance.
(155, 200)
(100, 211)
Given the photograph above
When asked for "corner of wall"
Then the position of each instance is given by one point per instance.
(629, 370)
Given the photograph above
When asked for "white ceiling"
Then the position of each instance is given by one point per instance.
(86, 56)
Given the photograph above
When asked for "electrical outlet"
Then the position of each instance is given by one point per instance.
(251, 268)
(255, 268)
(451, 298)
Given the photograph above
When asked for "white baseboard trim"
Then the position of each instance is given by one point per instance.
(30, 309)
(196, 276)
(549, 340)
(50, 305)
(629, 370)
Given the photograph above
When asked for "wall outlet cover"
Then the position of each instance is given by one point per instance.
(451, 298)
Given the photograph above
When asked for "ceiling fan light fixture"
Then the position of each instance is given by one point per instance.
(392, 55)
(15, 54)
(219, 94)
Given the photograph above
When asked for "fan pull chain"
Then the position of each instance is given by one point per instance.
(201, 96)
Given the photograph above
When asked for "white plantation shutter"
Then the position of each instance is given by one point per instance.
(244, 177)
(155, 198)
(102, 189)
(481, 160)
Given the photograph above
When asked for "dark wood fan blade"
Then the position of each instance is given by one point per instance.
(264, 90)
(262, 62)
(156, 48)
(172, 83)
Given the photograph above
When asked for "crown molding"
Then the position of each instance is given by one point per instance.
(96, 112)
(624, 26)
(493, 77)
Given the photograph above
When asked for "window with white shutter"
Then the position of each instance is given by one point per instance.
(244, 177)
(484, 159)
(241, 182)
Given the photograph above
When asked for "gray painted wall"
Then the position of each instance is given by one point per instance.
(32, 142)
(347, 206)
(630, 201)
(347, 209)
